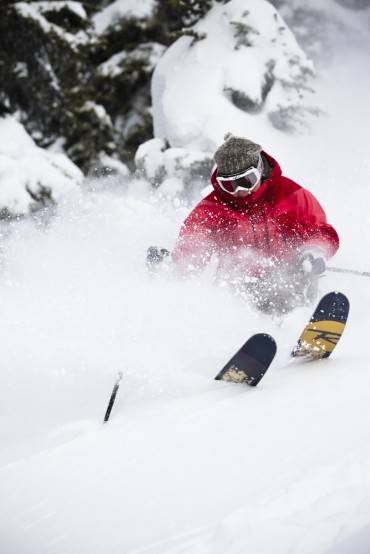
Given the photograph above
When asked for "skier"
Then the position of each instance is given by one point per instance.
(269, 234)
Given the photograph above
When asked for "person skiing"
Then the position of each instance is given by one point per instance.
(270, 235)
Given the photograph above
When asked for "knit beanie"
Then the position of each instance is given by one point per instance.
(236, 154)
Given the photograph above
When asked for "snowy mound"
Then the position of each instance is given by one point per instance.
(242, 71)
(247, 70)
(30, 175)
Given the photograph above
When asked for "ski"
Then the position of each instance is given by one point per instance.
(324, 329)
(318, 340)
(251, 362)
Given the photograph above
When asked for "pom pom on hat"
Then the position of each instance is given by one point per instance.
(236, 155)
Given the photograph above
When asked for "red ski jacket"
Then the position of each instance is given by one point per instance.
(274, 224)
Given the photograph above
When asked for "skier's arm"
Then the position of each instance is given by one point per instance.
(305, 225)
(196, 242)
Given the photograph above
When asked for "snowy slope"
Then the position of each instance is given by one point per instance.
(186, 464)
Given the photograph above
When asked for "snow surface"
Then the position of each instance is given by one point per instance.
(186, 464)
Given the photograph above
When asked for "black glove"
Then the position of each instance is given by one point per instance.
(312, 261)
(155, 255)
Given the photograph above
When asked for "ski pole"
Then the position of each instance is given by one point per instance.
(113, 396)
(351, 271)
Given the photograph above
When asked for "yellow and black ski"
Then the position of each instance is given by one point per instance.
(323, 331)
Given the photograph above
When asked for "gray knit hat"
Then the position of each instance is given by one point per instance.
(236, 154)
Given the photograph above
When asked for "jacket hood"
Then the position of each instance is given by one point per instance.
(230, 199)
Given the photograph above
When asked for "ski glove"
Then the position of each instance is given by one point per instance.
(155, 255)
(312, 261)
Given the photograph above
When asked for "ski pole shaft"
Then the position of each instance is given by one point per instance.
(351, 271)
(113, 396)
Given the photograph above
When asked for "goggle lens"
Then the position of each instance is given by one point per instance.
(246, 182)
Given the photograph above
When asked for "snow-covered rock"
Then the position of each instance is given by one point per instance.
(159, 163)
(29, 175)
(248, 67)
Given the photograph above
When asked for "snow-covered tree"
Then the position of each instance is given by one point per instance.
(48, 79)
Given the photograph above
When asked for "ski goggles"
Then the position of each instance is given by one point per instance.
(248, 180)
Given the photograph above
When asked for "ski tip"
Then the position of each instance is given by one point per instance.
(263, 336)
(266, 338)
(337, 295)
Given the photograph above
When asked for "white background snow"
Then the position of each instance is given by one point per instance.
(186, 464)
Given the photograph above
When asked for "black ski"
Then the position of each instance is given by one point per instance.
(251, 362)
